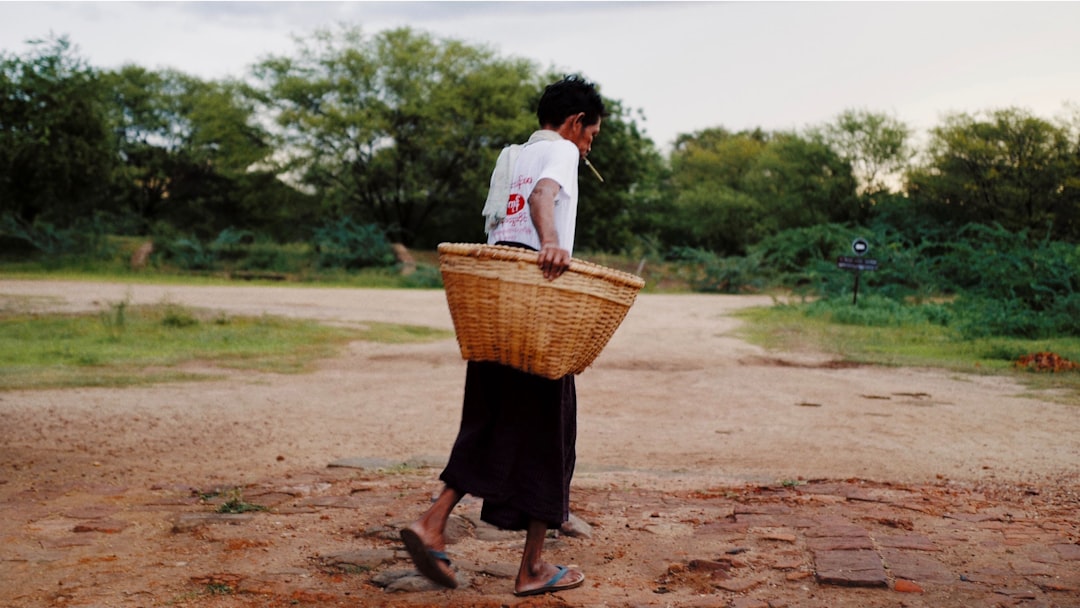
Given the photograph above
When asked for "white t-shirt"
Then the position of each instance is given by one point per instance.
(555, 160)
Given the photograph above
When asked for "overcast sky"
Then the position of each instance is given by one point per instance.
(687, 66)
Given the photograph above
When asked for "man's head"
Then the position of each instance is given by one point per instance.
(573, 107)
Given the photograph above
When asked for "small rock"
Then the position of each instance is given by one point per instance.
(392, 533)
(187, 522)
(141, 256)
(407, 261)
(457, 529)
(387, 577)
(489, 533)
(361, 559)
(91, 512)
(500, 570)
(412, 583)
(858, 568)
(108, 526)
(738, 585)
(575, 527)
(906, 586)
(708, 565)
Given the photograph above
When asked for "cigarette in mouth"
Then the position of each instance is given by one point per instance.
(594, 171)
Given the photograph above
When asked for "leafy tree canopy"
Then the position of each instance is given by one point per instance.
(876, 145)
(400, 129)
(56, 152)
(1006, 167)
(732, 189)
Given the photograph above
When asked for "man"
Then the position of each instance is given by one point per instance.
(516, 445)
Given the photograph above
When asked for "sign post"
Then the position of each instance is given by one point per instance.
(858, 264)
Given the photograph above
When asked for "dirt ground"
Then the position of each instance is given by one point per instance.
(710, 473)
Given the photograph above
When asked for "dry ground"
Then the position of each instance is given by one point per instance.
(695, 449)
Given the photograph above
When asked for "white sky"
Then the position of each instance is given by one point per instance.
(687, 66)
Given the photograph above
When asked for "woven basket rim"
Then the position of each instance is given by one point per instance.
(503, 252)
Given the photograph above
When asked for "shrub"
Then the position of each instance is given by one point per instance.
(792, 252)
(1012, 285)
(189, 254)
(81, 238)
(707, 272)
(426, 276)
(879, 311)
(346, 244)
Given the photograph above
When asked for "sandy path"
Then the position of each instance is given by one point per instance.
(676, 397)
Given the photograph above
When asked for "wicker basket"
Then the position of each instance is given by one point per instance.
(504, 310)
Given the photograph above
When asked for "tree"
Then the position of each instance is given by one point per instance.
(722, 219)
(717, 157)
(801, 182)
(400, 129)
(711, 207)
(56, 153)
(611, 214)
(875, 145)
(1008, 168)
(731, 190)
(194, 156)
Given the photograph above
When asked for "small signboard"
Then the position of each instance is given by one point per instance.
(849, 263)
(859, 246)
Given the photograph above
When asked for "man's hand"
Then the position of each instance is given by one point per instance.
(553, 260)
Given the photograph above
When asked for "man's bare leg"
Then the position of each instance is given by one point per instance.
(534, 571)
(425, 539)
(432, 524)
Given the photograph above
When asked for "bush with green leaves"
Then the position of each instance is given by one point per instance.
(265, 255)
(188, 253)
(707, 272)
(231, 243)
(794, 251)
(425, 276)
(1012, 285)
(346, 244)
(880, 311)
(84, 237)
(1001, 283)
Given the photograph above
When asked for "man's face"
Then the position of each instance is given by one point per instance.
(574, 129)
(584, 137)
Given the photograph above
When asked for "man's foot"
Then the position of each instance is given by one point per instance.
(561, 579)
(432, 563)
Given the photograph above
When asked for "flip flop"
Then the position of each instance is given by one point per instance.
(428, 561)
(553, 584)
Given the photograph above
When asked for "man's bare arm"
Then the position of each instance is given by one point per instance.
(554, 260)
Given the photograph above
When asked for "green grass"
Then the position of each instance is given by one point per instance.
(368, 278)
(235, 503)
(911, 344)
(124, 345)
(659, 276)
(392, 333)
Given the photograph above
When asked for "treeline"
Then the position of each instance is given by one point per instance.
(352, 142)
(398, 131)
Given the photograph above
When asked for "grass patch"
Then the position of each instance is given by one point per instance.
(125, 345)
(659, 276)
(368, 278)
(236, 504)
(909, 342)
(219, 589)
(393, 333)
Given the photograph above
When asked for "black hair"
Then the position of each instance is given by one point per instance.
(567, 97)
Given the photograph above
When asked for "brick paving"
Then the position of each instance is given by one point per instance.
(329, 538)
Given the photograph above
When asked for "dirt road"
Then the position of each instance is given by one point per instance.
(676, 406)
